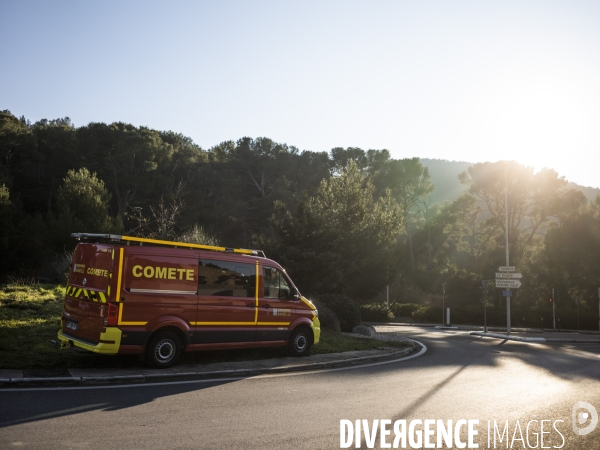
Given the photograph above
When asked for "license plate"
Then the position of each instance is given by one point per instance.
(71, 325)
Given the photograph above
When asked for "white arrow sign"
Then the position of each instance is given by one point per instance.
(508, 275)
(510, 284)
(507, 268)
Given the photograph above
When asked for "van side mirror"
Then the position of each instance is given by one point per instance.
(294, 294)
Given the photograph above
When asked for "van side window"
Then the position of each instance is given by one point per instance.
(226, 279)
(276, 285)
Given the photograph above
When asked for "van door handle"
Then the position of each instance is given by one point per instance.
(251, 305)
(267, 306)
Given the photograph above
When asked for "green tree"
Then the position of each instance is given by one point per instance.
(475, 239)
(342, 240)
(128, 159)
(570, 260)
(410, 185)
(82, 201)
(534, 199)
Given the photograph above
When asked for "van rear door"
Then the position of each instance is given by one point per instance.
(88, 290)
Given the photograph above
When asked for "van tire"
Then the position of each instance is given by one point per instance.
(164, 350)
(300, 341)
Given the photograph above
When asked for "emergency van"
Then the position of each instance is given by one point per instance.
(130, 295)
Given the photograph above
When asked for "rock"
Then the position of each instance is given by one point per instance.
(365, 330)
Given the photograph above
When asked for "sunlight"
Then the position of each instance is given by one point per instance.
(539, 118)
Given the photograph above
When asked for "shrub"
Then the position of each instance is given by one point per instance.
(327, 317)
(61, 264)
(376, 312)
(427, 314)
(404, 309)
(198, 235)
(345, 309)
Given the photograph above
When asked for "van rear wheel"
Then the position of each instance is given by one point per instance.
(164, 350)
(299, 343)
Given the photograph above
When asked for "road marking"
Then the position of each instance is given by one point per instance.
(213, 380)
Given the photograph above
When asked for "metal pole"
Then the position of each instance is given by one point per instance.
(485, 311)
(577, 313)
(485, 283)
(553, 310)
(506, 211)
(387, 298)
(506, 234)
(444, 303)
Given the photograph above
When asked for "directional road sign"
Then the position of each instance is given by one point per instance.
(510, 284)
(508, 275)
(507, 268)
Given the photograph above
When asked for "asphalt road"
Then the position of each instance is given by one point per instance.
(459, 377)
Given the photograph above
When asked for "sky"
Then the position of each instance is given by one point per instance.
(459, 80)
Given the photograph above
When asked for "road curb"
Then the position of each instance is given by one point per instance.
(534, 339)
(508, 337)
(190, 376)
(480, 328)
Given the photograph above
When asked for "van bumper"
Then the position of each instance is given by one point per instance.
(316, 328)
(108, 345)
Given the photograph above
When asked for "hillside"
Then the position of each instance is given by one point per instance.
(444, 176)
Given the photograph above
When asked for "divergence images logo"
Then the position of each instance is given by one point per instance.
(579, 418)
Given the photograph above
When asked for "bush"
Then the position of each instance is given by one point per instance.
(327, 317)
(345, 309)
(376, 313)
(427, 314)
(198, 235)
(61, 264)
(404, 309)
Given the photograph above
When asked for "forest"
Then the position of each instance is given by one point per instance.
(345, 224)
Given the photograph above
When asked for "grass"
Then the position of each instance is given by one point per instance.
(30, 318)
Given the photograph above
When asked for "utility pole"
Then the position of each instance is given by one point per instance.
(506, 235)
(577, 313)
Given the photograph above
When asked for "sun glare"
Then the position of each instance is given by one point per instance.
(539, 120)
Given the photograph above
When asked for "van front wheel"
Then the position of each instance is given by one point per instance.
(164, 350)
(299, 343)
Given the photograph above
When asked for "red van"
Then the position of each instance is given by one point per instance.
(130, 295)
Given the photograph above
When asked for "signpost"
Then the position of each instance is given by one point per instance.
(508, 275)
(507, 278)
(510, 284)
